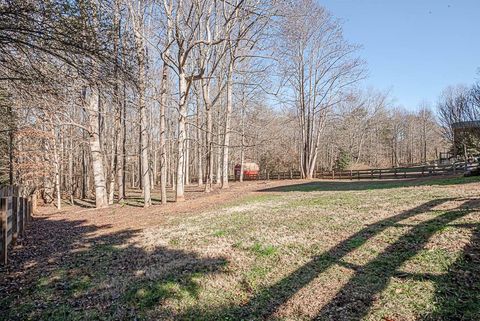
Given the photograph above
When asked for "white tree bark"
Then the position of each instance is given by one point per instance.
(138, 28)
(226, 133)
(208, 138)
(92, 108)
(163, 151)
(182, 116)
(199, 143)
(57, 170)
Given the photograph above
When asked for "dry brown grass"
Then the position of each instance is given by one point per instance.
(324, 250)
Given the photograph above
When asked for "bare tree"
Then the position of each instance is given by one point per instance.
(319, 66)
(137, 10)
(186, 17)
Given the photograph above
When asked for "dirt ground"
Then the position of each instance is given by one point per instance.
(132, 215)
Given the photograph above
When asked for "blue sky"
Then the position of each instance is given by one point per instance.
(414, 48)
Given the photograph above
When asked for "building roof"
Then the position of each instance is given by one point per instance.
(466, 124)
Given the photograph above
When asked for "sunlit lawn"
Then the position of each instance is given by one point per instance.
(323, 250)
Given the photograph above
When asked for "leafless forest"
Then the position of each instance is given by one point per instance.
(231, 160)
(98, 97)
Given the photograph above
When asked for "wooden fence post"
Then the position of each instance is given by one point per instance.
(380, 174)
(371, 174)
(14, 218)
(351, 175)
(28, 208)
(10, 216)
(358, 175)
(24, 213)
(333, 174)
(21, 215)
(3, 234)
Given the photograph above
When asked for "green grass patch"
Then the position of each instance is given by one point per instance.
(347, 200)
(220, 233)
(66, 312)
(149, 293)
(431, 261)
(347, 185)
(261, 250)
(79, 285)
(255, 277)
(253, 199)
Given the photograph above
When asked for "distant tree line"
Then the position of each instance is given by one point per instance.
(101, 96)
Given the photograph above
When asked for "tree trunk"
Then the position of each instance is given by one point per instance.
(163, 156)
(84, 174)
(57, 170)
(199, 145)
(208, 138)
(122, 145)
(242, 148)
(10, 145)
(187, 157)
(137, 17)
(218, 167)
(144, 146)
(113, 164)
(226, 132)
(242, 159)
(70, 168)
(92, 107)
(182, 115)
(117, 170)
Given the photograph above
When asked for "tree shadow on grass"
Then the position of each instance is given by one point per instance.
(347, 185)
(85, 203)
(354, 300)
(69, 270)
(139, 201)
(457, 294)
(134, 197)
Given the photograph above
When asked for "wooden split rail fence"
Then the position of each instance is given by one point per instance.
(377, 173)
(15, 213)
(16, 207)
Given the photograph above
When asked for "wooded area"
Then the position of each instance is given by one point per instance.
(98, 96)
(239, 160)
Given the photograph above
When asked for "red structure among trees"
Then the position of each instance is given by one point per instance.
(250, 171)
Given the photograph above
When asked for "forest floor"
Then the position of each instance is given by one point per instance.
(288, 250)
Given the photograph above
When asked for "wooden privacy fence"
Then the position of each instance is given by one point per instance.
(377, 173)
(15, 213)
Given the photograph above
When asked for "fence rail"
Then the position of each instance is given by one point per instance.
(16, 207)
(15, 213)
(377, 173)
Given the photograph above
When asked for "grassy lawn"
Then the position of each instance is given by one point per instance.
(322, 250)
